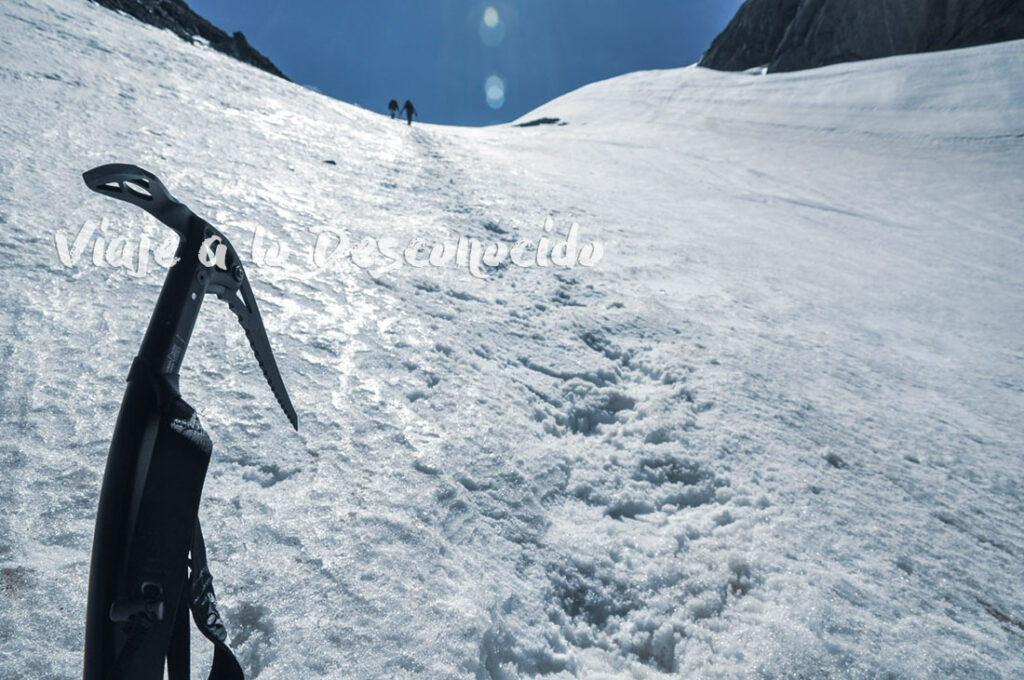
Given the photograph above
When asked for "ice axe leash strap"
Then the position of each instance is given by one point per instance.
(149, 567)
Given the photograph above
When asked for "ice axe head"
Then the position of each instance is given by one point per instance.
(219, 269)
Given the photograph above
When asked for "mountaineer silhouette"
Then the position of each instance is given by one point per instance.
(409, 110)
(393, 107)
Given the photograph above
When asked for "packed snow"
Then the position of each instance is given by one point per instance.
(772, 430)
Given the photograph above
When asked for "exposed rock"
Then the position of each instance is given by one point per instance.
(752, 36)
(540, 121)
(178, 17)
(788, 35)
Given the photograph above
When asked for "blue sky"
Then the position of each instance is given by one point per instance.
(464, 62)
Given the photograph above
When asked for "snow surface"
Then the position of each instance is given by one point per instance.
(774, 432)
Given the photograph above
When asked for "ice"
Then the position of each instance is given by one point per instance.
(774, 432)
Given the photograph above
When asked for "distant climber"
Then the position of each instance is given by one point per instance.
(409, 110)
(393, 107)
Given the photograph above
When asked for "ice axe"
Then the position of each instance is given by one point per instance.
(149, 566)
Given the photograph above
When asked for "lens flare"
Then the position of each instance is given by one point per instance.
(492, 28)
(494, 90)
(491, 17)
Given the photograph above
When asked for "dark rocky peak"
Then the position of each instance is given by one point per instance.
(178, 17)
(788, 35)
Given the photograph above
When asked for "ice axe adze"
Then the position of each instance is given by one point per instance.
(148, 560)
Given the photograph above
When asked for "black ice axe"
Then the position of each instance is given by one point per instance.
(149, 567)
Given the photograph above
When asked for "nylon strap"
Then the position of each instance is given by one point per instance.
(203, 602)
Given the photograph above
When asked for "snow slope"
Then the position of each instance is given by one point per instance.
(774, 432)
